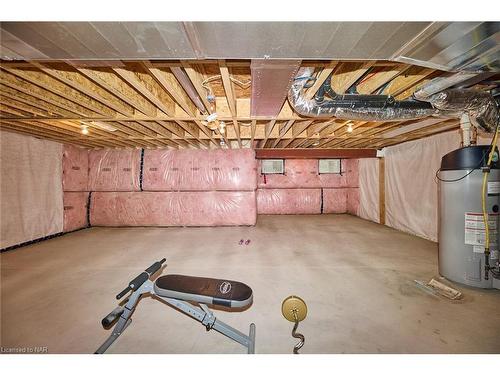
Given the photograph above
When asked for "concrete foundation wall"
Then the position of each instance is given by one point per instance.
(302, 189)
(212, 187)
(210, 208)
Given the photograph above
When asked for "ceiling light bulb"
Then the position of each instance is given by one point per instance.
(85, 129)
(316, 143)
(349, 128)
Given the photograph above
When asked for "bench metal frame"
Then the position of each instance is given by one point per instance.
(203, 314)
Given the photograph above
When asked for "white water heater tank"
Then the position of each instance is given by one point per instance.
(461, 225)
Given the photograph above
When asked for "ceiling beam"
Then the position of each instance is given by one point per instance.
(346, 74)
(148, 87)
(320, 79)
(197, 80)
(296, 153)
(230, 96)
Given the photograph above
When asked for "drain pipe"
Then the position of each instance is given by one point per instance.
(466, 128)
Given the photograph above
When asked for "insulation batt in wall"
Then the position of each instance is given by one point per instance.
(334, 201)
(303, 173)
(75, 210)
(196, 188)
(75, 168)
(114, 170)
(199, 170)
(353, 201)
(301, 188)
(288, 201)
(340, 201)
(215, 208)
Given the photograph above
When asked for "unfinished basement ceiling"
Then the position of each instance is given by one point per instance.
(441, 45)
(145, 84)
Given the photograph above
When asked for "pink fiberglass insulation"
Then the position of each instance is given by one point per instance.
(288, 201)
(75, 210)
(75, 168)
(214, 208)
(234, 169)
(114, 170)
(304, 173)
(350, 169)
(335, 201)
(199, 170)
(353, 201)
(299, 173)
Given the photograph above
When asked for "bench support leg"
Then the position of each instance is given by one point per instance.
(124, 320)
(208, 319)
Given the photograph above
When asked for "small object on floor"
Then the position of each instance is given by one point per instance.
(423, 286)
(247, 242)
(294, 309)
(241, 241)
(444, 290)
(438, 289)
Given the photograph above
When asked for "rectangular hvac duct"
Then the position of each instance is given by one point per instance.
(271, 80)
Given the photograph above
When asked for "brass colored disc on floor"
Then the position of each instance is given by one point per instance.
(294, 304)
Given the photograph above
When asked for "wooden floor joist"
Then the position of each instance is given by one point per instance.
(146, 106)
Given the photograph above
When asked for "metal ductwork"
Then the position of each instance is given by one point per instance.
(480, 105)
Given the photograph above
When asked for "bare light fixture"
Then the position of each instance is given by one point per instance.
(316, 142)
(84, 129)
(222, 127)
(349, 127)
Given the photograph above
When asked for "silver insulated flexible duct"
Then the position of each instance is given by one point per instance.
(481, 106)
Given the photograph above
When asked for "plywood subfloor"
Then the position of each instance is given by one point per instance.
(356, 277)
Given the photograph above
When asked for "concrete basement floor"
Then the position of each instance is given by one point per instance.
(356, 277)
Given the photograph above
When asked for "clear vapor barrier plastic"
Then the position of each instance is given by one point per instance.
(199, 170)
(114, 170)
(75, 168)
(75, 210)
(211, 208)
(288, 201)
